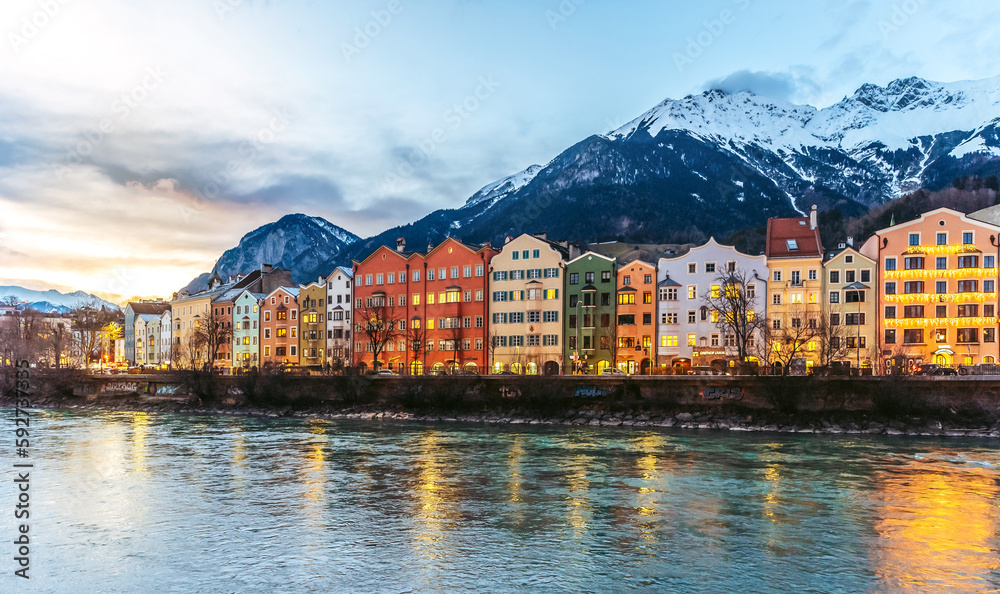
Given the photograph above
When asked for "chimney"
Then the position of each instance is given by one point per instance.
(850, 241)
(541, 235)
(401, 245)
(812, 217)
(430, 246)
(265, 268)
(507, 239)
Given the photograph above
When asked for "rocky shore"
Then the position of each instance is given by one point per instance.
(832, 423)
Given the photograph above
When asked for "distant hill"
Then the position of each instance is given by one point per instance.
(52, 301)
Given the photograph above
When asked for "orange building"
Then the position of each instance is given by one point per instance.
(279, 325)
(422, 312)
(636, 313)
(937, 297)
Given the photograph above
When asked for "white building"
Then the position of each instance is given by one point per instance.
(688, 332)
(338, 320)
(166, 345)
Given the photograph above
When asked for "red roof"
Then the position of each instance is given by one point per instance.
(792, 238)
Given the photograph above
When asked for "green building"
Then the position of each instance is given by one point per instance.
(589, 324)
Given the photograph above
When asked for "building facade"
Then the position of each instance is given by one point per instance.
(636, 329)
(794, 253)
(937, 290)
(312, 325)
(689, 333)
(525, 284)
(280, 327)
(338, 318)
(850, 334)
(589, 325)
(246, 330)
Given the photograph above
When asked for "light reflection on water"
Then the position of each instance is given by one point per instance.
(141, 502)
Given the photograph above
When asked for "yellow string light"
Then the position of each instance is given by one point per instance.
(951, 273)
(940, 297)
(939, 322)
(942, 249)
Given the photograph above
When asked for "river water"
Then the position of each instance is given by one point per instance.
(137, 502)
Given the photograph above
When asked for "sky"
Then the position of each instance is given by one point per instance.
(139, 139)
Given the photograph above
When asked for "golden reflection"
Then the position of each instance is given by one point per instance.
(938, 524)
(314, 473)
(648, 468)
(140, 427)
(435, 512)
(580, 510)
(514, 470)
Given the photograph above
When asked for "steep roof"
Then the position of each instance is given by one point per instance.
(792, 238)
(149, 308)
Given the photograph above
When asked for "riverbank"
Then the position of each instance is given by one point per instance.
(829, 422)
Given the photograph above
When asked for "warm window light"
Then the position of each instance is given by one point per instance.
(949, 273)
(939, 297)
(941, 249)
(922, 322)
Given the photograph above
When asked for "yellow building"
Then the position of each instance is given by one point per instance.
(850, 337)
(794, 306)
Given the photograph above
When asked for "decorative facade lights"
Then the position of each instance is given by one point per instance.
(940, 297)
(949, 273)
(939, 322)
(942, 249)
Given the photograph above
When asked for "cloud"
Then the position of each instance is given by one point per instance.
(795, 86)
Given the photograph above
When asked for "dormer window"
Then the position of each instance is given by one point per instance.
(792, 245)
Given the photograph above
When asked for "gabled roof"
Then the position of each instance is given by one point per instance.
(591, 253)
(668, 282)
(149, 308)
(293, 291)
(980, 217)
(792, 238)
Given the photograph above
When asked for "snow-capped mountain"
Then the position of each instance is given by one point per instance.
(717, 162)
(296, 242)
(52, 301)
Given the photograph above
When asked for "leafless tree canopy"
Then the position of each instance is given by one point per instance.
(379, 324)
(737, 309)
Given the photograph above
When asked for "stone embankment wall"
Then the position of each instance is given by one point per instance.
(947, 405)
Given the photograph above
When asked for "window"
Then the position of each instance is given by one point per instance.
(941, 335)
(890, 312)
(668, 340)
(914, 239)
(776, 299)
(968, 261)
(715, 340)
(913, 262)
(941, 287)
(796, 278)
(516, 274)
(854, 319)
(691, 317)
(989, 310)
(751, 291)
(914, 336)
(941, 311)
(550, 316)
(647, 297)
(812, 274)
(967, 237)
(626, 280)
(626, 298)
(911, 287)
(834, 319)
(967, 286)
(626, 320)
(890, 288)
(966, 335)
(536, 253)
(515, 256)
(913, 311)
(550, 340)
(988, 262)
(776, 324)
(550, 273)
(834, 296)
(853, 296)
(647, 318)
(589, 277)
(890, 337)
(574, 278)
(668, 318)
(454, 272)
(792, 245)
(709, 266)
(849, 276)
(605, 276)
(535, 340)
(692, 292)
(479, 270)
(692, 268)
(551, 294)
(942, 239)
(890, 263)
(989, 334)
(834, 277)
(968, 311)
(777, 276)
(416, 276)
(691, 340)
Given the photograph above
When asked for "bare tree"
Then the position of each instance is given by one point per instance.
(58, 336)
(832, 338)
(736, 307)
(784, 340)
(417, 339)
(90, 321)
(378, 323)
(607, 338)
(211, 334)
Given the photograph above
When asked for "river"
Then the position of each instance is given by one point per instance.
(139, 502)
